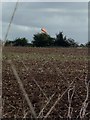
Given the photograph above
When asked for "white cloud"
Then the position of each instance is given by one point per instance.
(62, 10)
(25, 28)
(19, 30)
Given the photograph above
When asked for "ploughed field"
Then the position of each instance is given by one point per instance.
(46, 75)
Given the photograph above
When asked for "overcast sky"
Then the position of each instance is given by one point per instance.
(69, 17)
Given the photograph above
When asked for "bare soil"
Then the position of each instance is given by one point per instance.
(53, 69)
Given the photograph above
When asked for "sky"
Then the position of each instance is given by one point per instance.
(30, 17)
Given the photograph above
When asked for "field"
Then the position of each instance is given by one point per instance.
(53, 80)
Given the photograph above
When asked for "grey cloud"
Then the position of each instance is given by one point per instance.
(72, 18)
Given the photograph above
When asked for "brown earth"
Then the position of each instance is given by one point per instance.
(53, 69)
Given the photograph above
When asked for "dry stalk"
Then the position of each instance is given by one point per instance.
(56, 102)
(82, 113)
(22, 89)
(40, 113)
(71, 92)
(4, 115)
(25, 114)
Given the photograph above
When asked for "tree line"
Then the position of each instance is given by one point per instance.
(45, 40)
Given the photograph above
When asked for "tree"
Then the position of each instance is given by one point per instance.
(20, 42)
(81, 45)
(42, 40)
(61, 40)
(72, 42)
(88, 44)
(9, 43)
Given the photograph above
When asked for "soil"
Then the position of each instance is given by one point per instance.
(53, 69)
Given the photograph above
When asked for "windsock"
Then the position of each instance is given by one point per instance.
(43, 30)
